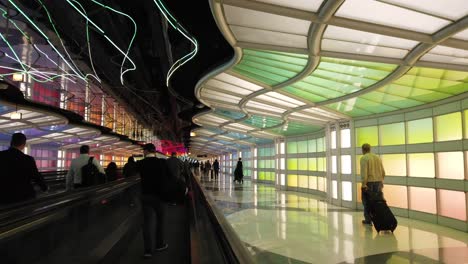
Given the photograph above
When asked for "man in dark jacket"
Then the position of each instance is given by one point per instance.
(216, 168)
(153, 172)
(18, 172)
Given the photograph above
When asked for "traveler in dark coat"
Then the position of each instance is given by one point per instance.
(18, 172)
(239, 172)
(153, 172)
(112, 172)
(130, 168)
(216, 168)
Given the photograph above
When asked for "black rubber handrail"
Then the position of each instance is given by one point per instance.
(19, 212)
(233, 248)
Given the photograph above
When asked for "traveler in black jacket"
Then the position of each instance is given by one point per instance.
(18, 170)
(153, 172)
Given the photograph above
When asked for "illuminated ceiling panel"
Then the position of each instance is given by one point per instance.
(357, 58)
(307, 5)
(389, 15)
(270, 67)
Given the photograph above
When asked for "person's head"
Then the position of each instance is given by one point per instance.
(216, 160)
(173, 154)
(366, 148)
(84, 149)
(131, 159)
(112, 166)
(149, 148)
(240, 159)
(18, 140)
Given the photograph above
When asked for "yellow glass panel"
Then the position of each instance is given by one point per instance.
(313, 182)
(450, 165)
(303, 181)
(313, 164)
(367, 135)
(396, 195)
(420, 131)
(292, 164)
(321, 166)
(421, 165)
(452, 204)
(358, 164)
(449, 127)
(394, 164)
(292, 180)
(302, 163)
(422, 199)
(392, 134)
(322, 185)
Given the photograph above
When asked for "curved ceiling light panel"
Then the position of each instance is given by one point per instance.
(315, 62)
(173, 22)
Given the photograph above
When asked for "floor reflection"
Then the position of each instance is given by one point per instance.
(290, 227)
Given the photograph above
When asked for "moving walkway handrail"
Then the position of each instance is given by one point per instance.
(229, 240)
(14, 214)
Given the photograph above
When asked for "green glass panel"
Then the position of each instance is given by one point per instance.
(296, 128)
(229, 114)
(291, 147)
(392, 134)
(312, 144)
(320, 144)
(261, 164)
(448, 127)
(270, 67)
(261, 175)
(312, 164)
(291, 164)
(420, 131)
(302, 146)
(262, 121)
(368, 135)
(302, 163)
(465, 114)
(307, 95)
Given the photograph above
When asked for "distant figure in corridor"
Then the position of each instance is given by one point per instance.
(207, 168)
(130, 168)
(176, 167)
(18, 171)
(216, 169)
(239, 172)
(112, 172)
(372, 176)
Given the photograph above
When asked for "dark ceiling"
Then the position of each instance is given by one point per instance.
(145, 91)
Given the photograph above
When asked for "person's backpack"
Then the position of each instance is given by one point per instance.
(89, 173)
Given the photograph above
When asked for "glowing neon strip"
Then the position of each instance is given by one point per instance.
(105, 36)
(47, 39)
(173, 22)
(131, 41)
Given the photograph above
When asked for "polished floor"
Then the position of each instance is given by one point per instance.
(291, 227)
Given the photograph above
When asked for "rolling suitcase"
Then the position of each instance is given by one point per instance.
(381, 215)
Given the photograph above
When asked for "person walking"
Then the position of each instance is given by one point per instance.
(239, 172)
(18, 172)
(74, 178)
(216, 169)
(153, 172)
(372, 176)
(130, 168)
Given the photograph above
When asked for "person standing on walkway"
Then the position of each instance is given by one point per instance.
(239, 172)
(153, 172)
(216, 168)
(372, 176)
(176, 167)
(130, 168)
(74, 178)
(18, 172)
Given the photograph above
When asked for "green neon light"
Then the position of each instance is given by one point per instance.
(173, 22)
(106, 37)
(47, 38)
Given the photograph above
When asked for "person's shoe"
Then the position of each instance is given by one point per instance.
(147, 255)
(163, 247)
(366, 222)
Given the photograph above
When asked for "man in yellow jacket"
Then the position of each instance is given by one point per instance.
(372, 175)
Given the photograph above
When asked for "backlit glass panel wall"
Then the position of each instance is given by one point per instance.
(247, 162)
(306, 163)
(266, 163)
(45, 156)
(426, 148)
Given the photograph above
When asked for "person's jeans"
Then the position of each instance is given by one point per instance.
(374, 189)
(153, 217)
